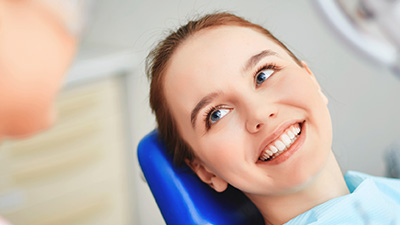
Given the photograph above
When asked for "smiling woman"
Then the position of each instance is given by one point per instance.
(239, 108)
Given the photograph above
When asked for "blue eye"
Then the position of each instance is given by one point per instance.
(263, 76)
(218, 114)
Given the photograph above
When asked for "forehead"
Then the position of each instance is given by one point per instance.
(224, 41)
(202, 62)
(212, 50)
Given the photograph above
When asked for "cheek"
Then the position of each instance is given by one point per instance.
(298, 90)
(29, 106)
(219, 150)
(302, 95)
(226, 149)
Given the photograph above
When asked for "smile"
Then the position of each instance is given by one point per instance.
(281, 143)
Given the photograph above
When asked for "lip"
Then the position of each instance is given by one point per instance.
(286, 154)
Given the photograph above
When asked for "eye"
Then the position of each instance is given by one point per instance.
(263, 75)
(217, 114)
(214, 114)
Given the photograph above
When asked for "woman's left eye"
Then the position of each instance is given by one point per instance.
(263, 76)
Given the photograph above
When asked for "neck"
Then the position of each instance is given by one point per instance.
(328, 184)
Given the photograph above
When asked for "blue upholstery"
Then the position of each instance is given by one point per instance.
(183, 198)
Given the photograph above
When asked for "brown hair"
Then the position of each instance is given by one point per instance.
(157, 61)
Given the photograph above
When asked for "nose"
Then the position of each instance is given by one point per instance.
(259, 114)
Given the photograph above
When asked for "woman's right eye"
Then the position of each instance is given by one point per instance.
(218, 114)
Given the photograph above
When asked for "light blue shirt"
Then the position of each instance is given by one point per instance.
(372, 200)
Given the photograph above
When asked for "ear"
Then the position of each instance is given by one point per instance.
(312, 76)
(208, 177)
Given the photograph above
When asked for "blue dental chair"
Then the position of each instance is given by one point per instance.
(183, 198)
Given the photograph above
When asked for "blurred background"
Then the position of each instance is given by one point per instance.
(85, 171)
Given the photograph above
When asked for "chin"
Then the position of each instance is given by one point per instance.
(297, 182)
(304, 174)
(26, 132)
(307, 176)
(27, 127)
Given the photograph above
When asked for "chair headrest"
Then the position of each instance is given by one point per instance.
(183, 198)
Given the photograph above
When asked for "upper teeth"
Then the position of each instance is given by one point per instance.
(282, 143)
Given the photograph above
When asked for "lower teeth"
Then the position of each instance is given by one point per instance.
(272, 157)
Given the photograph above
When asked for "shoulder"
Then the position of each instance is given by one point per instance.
(354, 178)
(388, 186)
(373, 200)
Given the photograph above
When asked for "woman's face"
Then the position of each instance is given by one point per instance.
(237, 98)
(35, 53)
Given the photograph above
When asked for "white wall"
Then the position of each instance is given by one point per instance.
(363, 98)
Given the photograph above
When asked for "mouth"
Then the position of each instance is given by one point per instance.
(282, 143)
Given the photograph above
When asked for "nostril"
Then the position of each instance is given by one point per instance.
(258, 126)
(272, 115)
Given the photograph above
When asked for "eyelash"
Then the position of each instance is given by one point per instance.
(211, 109)
(268, 66)
(208, 115)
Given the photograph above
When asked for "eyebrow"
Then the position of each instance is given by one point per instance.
(208, 98)
(256, 58)
(201, 104)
